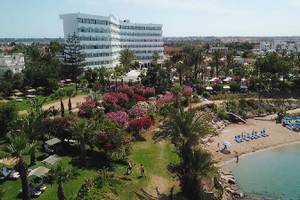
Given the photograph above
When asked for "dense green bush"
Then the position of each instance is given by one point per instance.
(7, 114)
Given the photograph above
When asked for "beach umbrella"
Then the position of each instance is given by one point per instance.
(227, 144)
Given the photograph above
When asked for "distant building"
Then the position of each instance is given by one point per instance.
(280, 46)
(14, 62)
(102, 38)
(266, 45)
(298, 47)
(220, 49)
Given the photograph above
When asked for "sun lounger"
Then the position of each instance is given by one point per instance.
(246, 138)
(238, 138)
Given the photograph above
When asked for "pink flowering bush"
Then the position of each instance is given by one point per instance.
(145, 91)
(139, 97)
(119, 118)
(126, 89)
(110, 98)
(165, 99)
(114, 98)
(137, 112)
(87, 108)
(187, 91)
(141, 123)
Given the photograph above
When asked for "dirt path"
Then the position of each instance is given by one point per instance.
(75, 101)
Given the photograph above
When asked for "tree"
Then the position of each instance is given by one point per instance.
(270, 69)
(127, 58)
(216, 61)
(32, 152)
(185, 129)
(195, 58)
(158, 76)
(73, 59)
(42, 67)
(18, 147)
(83, 129)
(118, 72)
(69, 91)
(60, 93)
(61, 174)
(8, 114)
(155, 57)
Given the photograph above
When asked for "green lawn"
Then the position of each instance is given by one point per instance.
(154, 156)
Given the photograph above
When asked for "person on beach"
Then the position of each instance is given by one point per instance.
(218, 146)
(129, 167)
(237, 158)
(142, 169)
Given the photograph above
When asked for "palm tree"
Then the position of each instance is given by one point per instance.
(216, 61)
(118, 72)
(61, 174)
(18, 147)
(103, 77)
(127, 58)
(32, 152)
(155, 57)
(83, 129)
(177, 89)
(61, 93)
(185, 129)
(195, 58)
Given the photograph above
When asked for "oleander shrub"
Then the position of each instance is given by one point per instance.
(165, 99)
(120, 118)
(59, 127)
(139, 98)
(145, 91)
(126, 89)
(137, 112)
(87, 108)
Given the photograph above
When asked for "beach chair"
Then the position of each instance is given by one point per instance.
(254, 136)
(245, 138)
(238, 138)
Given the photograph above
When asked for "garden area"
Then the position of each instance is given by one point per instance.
(86, 154)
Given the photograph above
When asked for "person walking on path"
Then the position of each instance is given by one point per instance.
(129, 167)
(142, 170)
(237, 158)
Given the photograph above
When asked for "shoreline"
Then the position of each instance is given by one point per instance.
(279, 136)
(221, 164)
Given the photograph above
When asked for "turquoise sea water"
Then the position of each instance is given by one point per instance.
(272, 174)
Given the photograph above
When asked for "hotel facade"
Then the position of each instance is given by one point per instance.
(102, 38)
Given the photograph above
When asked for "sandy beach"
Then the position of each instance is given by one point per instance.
(278, 136)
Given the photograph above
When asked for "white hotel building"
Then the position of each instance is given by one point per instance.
(102, 38)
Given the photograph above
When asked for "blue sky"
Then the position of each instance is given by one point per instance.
(40, 18)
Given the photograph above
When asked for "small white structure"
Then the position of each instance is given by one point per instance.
(209, 88)
(226, 87)
(39, 172)
(227, 80)
(132, 76)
